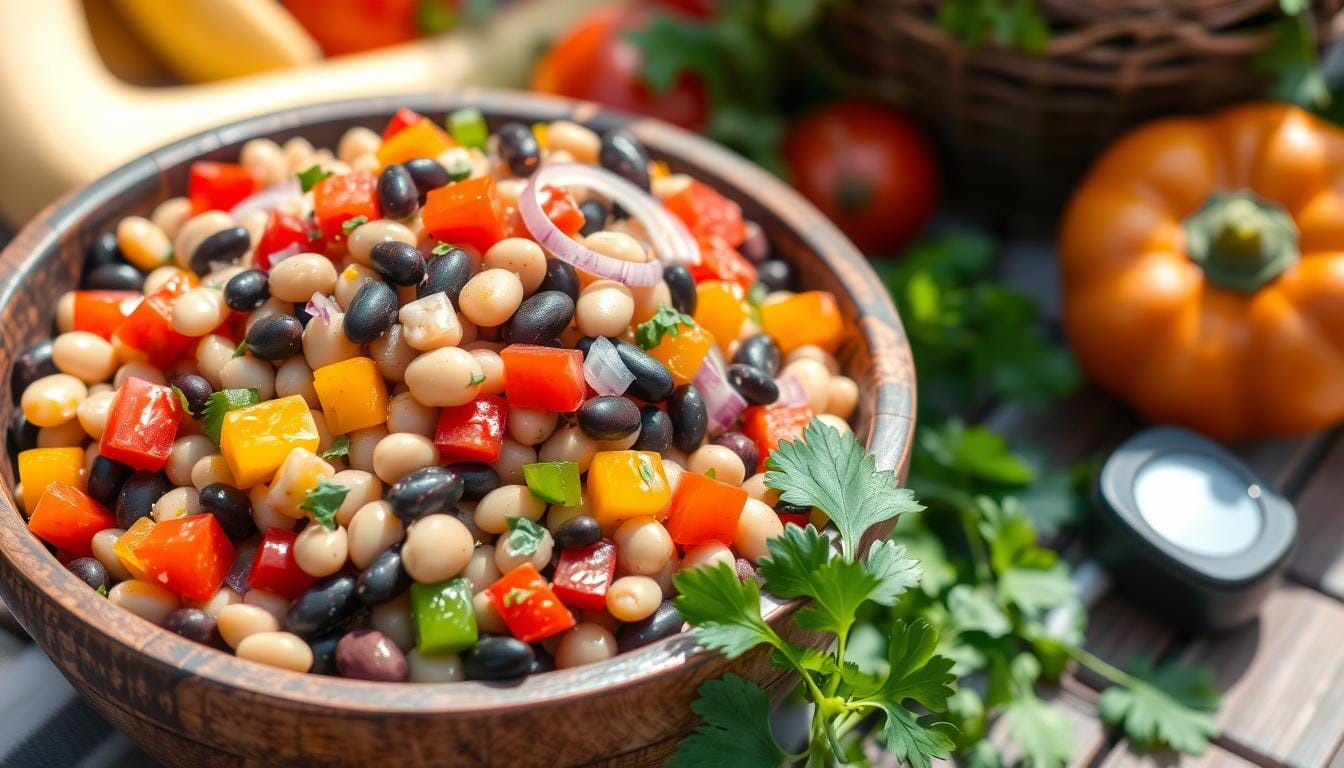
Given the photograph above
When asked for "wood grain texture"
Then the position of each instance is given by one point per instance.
(1319, 557)
(1119, 630)
(192, 706)
(1123, 755)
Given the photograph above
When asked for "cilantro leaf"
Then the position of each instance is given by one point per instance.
(973, 609)
(1044, 734)
(476, 378)
(339, 447)
(828, 470)
(735, 731)
(1291, 59)
(725, 610)
(323, 500)
(309, 178)
(913, 742)
(916, 674)
(442, 248)
(182, 398)
(794, 556)
(1035, 591)
(665, 321)
(525, 536)
(220, 403)
(838, 589)
(349, 225)
(886, 561)
(1170, 705)
(102, 590)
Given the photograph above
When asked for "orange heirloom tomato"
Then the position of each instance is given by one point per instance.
(1203, 271)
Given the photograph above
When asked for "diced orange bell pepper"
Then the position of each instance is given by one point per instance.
(544, 378)
(353, 394)
(683, 353)
(337, 199)
(466, 213)
(256, 440)
(66, 517)
(766, 425)
(704, 509)
(812, 317)
(625, 484)
(40, 467)
(720, 308)
(101, 312)
(129, 541)
(188, 555)
(149, 328)
(420, 139)
(529, 608)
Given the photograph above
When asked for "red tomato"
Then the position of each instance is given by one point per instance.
(699, 9)
(867, 167)
(594, 61)
(767, 425)
(101, 312)
(544, 378)
(188, 555)
(350, 26)
(284, 230)
(149, 327)
(583, 576)
(721, 261)
(142, 424)
(337, 199)
(706, 212)
(561, 208)
(472, 432)
(219, 186)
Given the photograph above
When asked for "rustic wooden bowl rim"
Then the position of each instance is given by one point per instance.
(878, 324)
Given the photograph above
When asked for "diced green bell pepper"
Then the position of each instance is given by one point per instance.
(467, 127)
(556, 482)
(445, 622)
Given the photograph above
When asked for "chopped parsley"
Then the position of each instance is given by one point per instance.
(476, 378)
(349, 225)
(525, 536)
(222, 402)
(322, 502)
(182, 397)
(309, 178)
(666, 321)
(339, 447)
(517, 596)
(241, 349)
(442, 248)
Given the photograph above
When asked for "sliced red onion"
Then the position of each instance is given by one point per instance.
(791, 392)
(267, 199)
(722, 402)
(603, 369)
(242, 565)
(322, 307)
(671, 242)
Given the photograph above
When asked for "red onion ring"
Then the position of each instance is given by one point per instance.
(791, 392)
(322, 307)
(722, 402)
(267, 199)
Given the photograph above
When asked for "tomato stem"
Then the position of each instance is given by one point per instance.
(1241, 241)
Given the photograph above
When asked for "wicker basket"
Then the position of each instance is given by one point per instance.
(1023, 127)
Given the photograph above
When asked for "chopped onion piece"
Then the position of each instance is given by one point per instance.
(284, 253)
(603, 369)
(267, 199)
(322, 307)
(791, 392)
(722, 402)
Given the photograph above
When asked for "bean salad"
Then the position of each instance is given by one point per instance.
(444, 404)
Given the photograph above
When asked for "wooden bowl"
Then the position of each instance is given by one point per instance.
(190, 705)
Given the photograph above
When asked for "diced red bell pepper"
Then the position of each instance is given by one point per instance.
(219, 186)
(404, 118)
(149, 328)
(792, 518)
(472, 432)
(274, 568)
(766, 425)
(101, 312)
(721, 261)
(582, 576)
(187, 555)
(285, 230)
(337, 199)
(529, 608)
(704, 509)
(142, 424)
(67, 518)
(706, 212)
(544, 378)
(465, 213)
(561, 208)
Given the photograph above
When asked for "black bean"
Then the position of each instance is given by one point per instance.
(584, 344)
(397, 194)
(195, 389)
(775, 275)
(103, 250)
(541, 317)
(756, 248)
(32, 365)
(594, 216)
(786, 508)
(106, 478)
(518, 148)
(541, 661)
(664, 622)
(371, 312)
(226, 246)
(753, 384)
(690, 418)
(367, 654)
(22, 434)
(330, 601)
(425, 491)
(477, 479)
(194, 624)
(743, 446)
(447, 272)
(561, 276)
(681, 286)
(655, 431)
(623, 154)
(653, 382)
(302, 314)
(608, 417)
(113, 277)
(247, 290)
(578, 532)
(760, 352)
(275, 337)
(497, 658)
(385, 579)
(91, 572)
(137, 496)
(428, 174)
(397, 262)
(231, 507)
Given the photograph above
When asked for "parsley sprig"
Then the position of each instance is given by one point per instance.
(666, 321)
(220, 403)
(323, 500)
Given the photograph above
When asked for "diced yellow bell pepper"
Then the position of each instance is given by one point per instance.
(683, 353)
(625, 484)
(806, 318)
(719, 309)
(40, 467)
(295, 478)
(257, 439)
(124, 549)
(353, 394)
(423, 139)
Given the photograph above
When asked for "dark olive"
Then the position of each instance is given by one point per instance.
(775, 275)
(425, 491)
(760, 352)
(690, 418)
(753, 384)
(756, 248)
(367, 654)
(608, 417)
(664, 622)
(541, 317)
(385, 579)
(578, 532)
(681, 286)
(518, 148)
(324, 652)
(231, 507)
(653, 382)
(743, 446)
(397, 194)
(194, 624)
(623, 154)
(103, 250)
(371, 312)
(655, 431)
(247, 290)
(195, 389)
(447, 272)
(594, 216)
(106, 478)
(561, 276)
(398, 263)
(330, 601)
(137, 496)
(477, 479)
(428, 174)
(497, 658)
(113, 277)
(22, 434)
(91, 572)
(32, 365)
(225, 246)
(275, 337)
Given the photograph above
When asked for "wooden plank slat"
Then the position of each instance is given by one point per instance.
(1282, 461)
(1118, 631)
(1319, 558)
(1125, 756)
